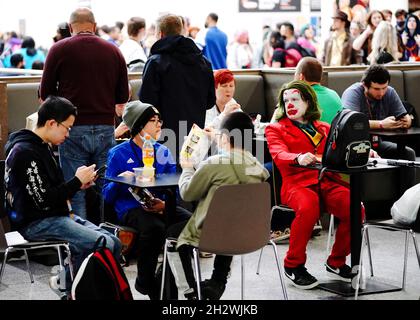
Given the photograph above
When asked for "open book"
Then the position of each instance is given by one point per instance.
(196, 145)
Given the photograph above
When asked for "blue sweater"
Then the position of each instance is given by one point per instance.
(125, 157)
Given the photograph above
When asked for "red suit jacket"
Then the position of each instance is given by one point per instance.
(285, 142)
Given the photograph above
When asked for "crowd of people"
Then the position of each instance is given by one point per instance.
(352, 40)
(186, 81)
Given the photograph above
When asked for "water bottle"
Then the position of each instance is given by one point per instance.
(148, 152)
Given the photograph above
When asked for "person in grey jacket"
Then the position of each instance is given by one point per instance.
(233, 165)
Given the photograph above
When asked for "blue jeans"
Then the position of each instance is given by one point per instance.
(79, 233)
(86, 145)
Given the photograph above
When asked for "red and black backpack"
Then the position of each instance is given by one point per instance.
(101, 277)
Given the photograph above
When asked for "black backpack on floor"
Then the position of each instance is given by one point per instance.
(348, 144)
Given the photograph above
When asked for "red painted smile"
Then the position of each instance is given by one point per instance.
(291, 112)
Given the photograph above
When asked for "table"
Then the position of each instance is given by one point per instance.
(164, 180)
(340, 287)
(399, 136)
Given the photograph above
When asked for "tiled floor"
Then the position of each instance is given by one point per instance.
(387, 250)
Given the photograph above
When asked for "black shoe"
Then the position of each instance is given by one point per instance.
(212, 289)
(191, 294)
(151, 292)
(301, 278)
(343, 273)
(317, 229)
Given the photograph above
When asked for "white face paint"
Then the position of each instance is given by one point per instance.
(294, 105)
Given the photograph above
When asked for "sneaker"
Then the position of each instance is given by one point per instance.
(343, 273)
(54, 283)
(212, 289)
(317, 229)
(301, 278)
(278, 235)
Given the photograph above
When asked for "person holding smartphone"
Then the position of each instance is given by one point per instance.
(374, 97)
(149, 217)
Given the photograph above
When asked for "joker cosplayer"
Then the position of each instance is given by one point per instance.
(299, 138)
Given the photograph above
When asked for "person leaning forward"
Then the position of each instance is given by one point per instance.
(37, 193)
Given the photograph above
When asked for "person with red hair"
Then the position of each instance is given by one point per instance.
(224, 83)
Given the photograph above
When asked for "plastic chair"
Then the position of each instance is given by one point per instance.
(20, 244)
(390, 226)
(232, 210)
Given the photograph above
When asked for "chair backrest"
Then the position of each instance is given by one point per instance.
(238, 219)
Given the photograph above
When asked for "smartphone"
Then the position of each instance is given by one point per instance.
(101, 171)
(146, 197)
(399, 117)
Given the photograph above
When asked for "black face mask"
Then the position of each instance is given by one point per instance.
(400, 24)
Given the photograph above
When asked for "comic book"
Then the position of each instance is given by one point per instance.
(196, 145)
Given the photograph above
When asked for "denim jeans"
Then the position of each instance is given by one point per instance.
(86, 145)
(79, 233)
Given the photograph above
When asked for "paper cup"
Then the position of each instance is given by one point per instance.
(138, 172)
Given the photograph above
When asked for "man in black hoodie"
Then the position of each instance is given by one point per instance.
(37, 195)
(178, 81)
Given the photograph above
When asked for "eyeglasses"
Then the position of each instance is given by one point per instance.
(68, 128)
(156, 121)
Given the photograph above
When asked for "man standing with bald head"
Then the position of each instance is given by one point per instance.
(91, 73)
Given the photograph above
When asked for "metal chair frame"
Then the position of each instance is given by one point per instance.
(213, 243)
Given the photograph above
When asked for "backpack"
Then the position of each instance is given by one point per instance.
(292, 57)
(348, 144)
(127, 236)
(100, 277)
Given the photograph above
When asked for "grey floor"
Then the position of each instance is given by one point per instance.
(387, 250)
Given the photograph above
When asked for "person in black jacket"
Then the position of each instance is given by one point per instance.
(37, 195)
(178, 81)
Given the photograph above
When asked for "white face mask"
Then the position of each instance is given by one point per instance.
(294, 105)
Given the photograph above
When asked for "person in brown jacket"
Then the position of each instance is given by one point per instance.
(338, 49)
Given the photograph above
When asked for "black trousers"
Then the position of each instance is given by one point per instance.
(221, 265)
(151, 229)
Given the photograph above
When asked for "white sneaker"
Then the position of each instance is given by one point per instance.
(54, 283)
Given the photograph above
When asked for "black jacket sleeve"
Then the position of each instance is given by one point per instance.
(33, 176)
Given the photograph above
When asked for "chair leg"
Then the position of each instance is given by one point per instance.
(3, 266)
(359, 273)
(369, 252)
(68, 253)
(283, 285)
(405, 260)
(162, 285)
(413, 235)
(242, 277)
(28, 266)
(329, 239)
(259, 261)
(197, 272)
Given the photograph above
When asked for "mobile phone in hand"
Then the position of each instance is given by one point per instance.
(146, 197)
(399, 117)
(101, 171)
